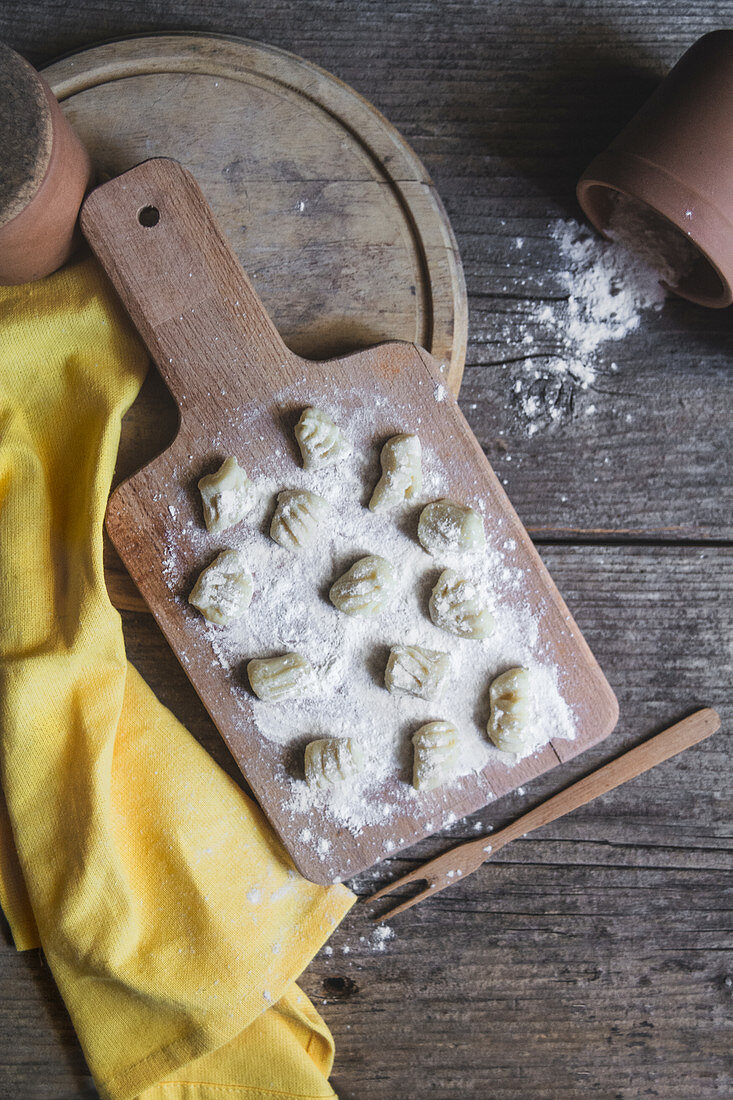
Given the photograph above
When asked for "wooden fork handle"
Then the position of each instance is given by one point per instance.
(696, 727)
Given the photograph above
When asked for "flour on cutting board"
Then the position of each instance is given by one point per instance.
(290, 611)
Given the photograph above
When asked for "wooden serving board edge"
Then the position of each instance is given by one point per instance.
(380, 140)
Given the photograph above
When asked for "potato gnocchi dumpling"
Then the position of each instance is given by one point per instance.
(366, 588)
(412, 670)
(509, 695)
(296, 519)
(456, 606)
(321, 441)
(437, 752)
(401, 478)
(446, 527)
(275, 678)
(332, 760)
(227, 496)
(223, 591)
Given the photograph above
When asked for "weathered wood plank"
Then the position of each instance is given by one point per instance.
(578, 983)
(589, 959)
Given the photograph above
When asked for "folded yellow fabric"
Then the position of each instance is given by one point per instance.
(169, 913)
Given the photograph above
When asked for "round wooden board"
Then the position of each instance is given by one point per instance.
(327, 207)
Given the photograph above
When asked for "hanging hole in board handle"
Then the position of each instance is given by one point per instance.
(148, 216)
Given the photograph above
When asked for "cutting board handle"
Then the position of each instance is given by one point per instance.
(155, 236)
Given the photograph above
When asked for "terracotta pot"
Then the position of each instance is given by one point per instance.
(676, 156)
(48, 175)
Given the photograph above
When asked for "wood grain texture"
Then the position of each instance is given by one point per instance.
(591, 959)
(237, 387)
(325, 204)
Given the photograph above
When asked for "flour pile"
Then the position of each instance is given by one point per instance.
(609, 288)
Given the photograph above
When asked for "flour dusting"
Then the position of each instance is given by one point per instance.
(379, 938)
(606, 288)
(290, 611)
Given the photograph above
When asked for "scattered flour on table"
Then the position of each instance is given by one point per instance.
(290, 611)
(605, 290)
(379, 938)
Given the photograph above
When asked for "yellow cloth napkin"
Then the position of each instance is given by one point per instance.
(167, 909)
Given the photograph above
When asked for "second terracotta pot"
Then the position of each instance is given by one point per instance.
(676, 157)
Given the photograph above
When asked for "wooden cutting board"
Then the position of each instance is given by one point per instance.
(240, 390)
(324, 202)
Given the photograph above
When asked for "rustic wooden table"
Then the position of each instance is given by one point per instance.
(589, 960)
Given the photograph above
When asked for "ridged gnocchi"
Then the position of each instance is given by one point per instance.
(413, 670)
(297, 517)
(273, 679)
(332, 760)
(509, 695)
(321, 441)
(227, 496)
(437, 750)
(446, 527)
(366, 588)
(401, 478)
(224, 589)
(456, 606)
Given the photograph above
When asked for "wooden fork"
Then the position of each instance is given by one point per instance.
(446, 869)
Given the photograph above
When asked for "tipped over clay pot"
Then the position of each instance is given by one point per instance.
(46, 172)
(674, 160)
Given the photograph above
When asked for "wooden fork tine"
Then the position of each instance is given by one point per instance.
(412, 876)
(441, 868)
(437, 872)
(434, 888)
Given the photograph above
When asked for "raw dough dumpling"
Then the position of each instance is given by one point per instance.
(412, 670)
(276, 678)
(297, 517)
(331, 760)
(223, 592)
(227, 496)
(456, 606)
(401, 478)
(437, 752)
(366, 588)
(448, 527)
(321, 441)
(508, 725)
